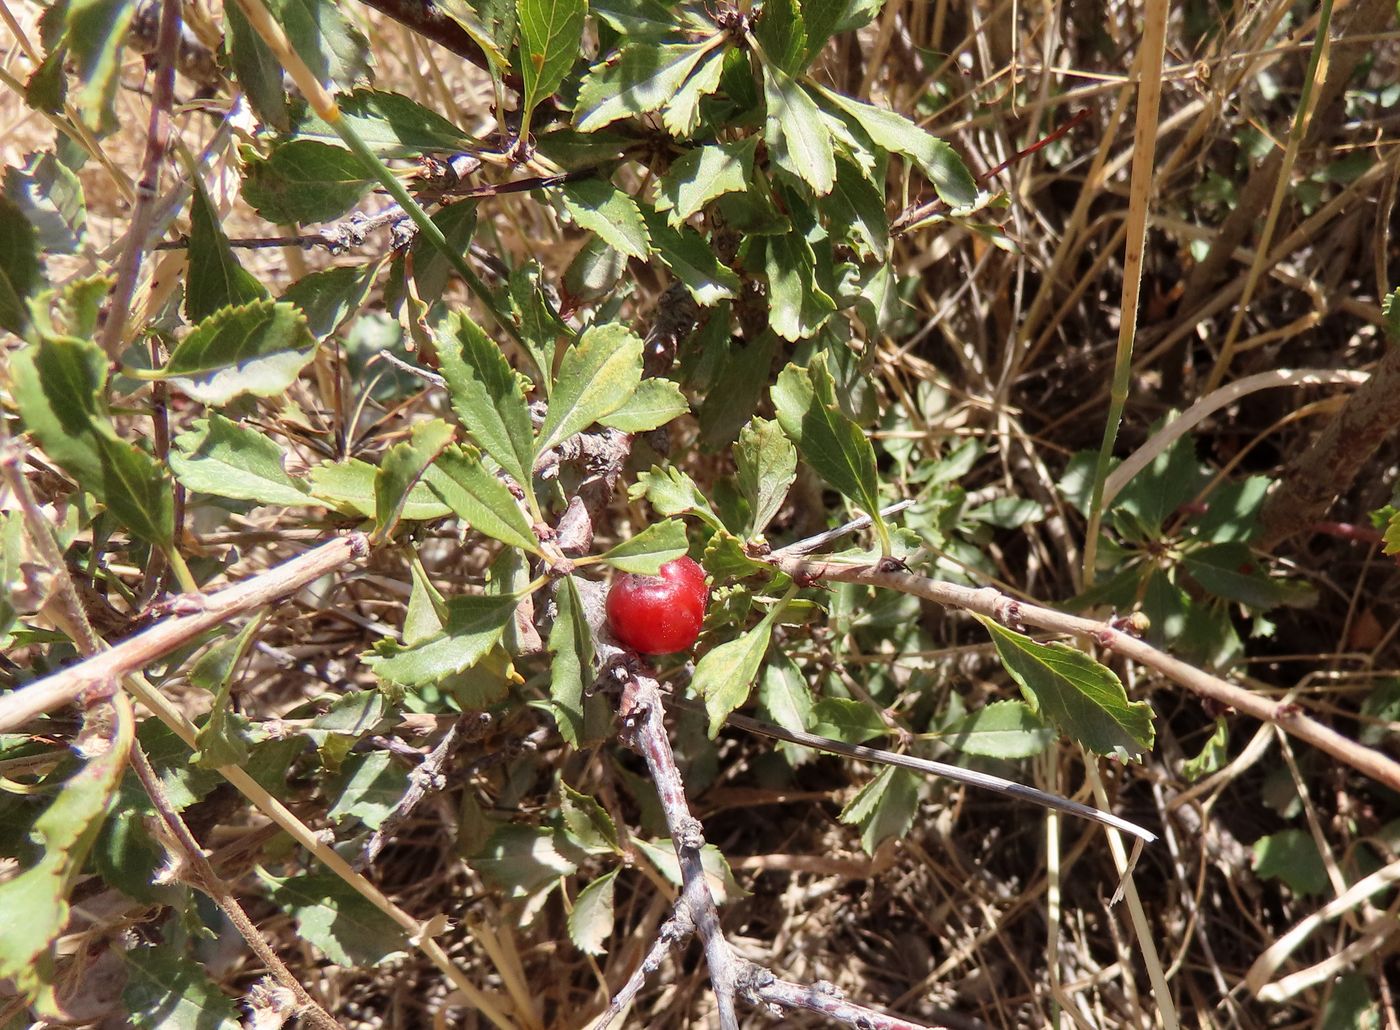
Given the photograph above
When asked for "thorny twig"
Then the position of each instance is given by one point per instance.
(427, 778)
(730, 974)
(211, 611)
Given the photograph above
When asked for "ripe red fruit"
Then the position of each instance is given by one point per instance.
(659, 614)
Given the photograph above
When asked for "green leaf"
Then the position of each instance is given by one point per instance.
(939, 162)
(400, 470)
(50, 196)
(1213, 755)
(47, 86)
(472, 628)
(305, 180)
(336, 918)
(766, 465)
(534, 314)
(332, 47)
(549, 43)
(1003, 729)
(718, 876)
(857, 206)
(681, 115)
(96, 38)
(490, 24)
(60, 385)
(700, 175)
(1084, 699)
(591, 921)
(256, 348)
(671, 492)
(656, 402)
(348, 487)
(723, 676)
(822, 20)
(805, 402)
(571, 644)
(390, 124)
(587, 823)
(797, 306)
(883, 808)
(1391, 535)
(215, 278)
(256, 70)
(328, 297)
(782, 34)
(480, 499)
(1232, 571)
(223, 739)
(692, 260)
(598, 376)
(602, 208)
(373, 787)
(650, 549)
(35, 900)
(797, 137)
(165, 990)
(19, 266)
(637, 80)
(1292, 856)
(521, 860)
(847, 720)
(486, 395)
(784, 695)
(730, 402)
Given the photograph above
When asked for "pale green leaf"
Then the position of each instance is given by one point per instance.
(650, 549)
(797, 137)
(348, 486)
(883, 808)
(591, 921)
(766, 466)
(549, 44)
(599, 206)
(635, 81)
(480, 499)
(671, 492)
(473, 627)
(681, 115)
(400, 470)
(50, 196)
(700, 175)
(34, 900)
(305, 181)
(1003, 729)
(19, 266)
(598, 376)
(334, 917)
(692, 260)
(487, 395)
(656, 402)
(165, 990)
(257, 348)
(372, 788)
(571, 644)
(847, 720)
(723, 676)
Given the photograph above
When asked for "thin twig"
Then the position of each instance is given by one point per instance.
(1009, 611)
(928, 766)
(135, 653)
(816, 543)
(157, 143)
(208, 880)
(674, 931)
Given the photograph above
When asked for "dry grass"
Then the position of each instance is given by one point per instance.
(953, 924)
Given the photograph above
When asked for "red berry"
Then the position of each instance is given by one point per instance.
(659, 614)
